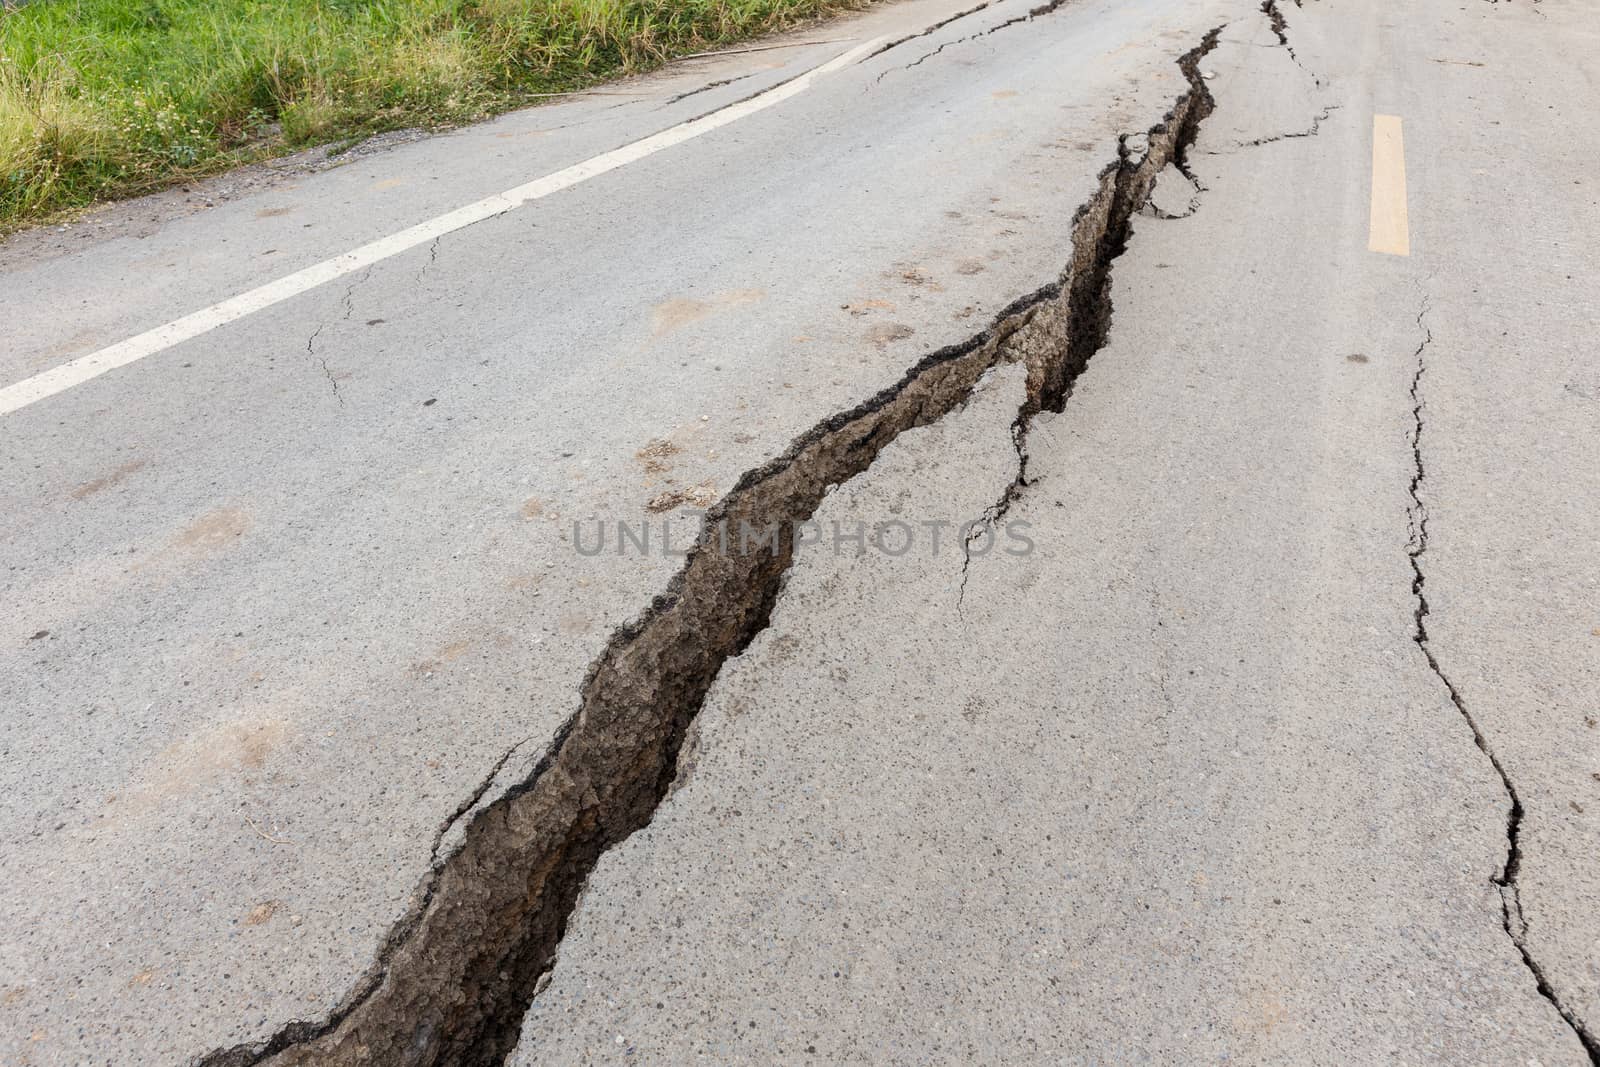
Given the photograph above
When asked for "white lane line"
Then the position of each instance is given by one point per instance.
(76, 372)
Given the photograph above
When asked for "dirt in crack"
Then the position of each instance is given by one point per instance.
(1082, 318)
(1280, 30)
(457, 973)
(1506, 878)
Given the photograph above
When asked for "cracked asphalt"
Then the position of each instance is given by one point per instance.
(1279, 743)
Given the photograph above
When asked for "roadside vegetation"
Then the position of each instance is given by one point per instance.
(103, 98)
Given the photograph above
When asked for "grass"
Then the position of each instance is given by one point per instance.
(105, 98)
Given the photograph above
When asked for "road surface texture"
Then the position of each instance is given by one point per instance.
(1180, 643)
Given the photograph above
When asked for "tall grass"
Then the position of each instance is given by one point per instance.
(102, 98)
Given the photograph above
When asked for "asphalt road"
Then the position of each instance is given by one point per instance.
(1216, 676)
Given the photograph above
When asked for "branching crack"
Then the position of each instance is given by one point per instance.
(457, 973)
(433, 257)
(1533, 6)
(1151, 209)
(1310, 131)
(1505, 879)
(1033, 13)
(322, 361)
(927, 56)
(1279, 25)
(472, 799)
(1280, 29)
(1125, 189)
(333, 381)
(311, 342)
(347, 301)
(998, 510)
(708, 86)
(941, 24)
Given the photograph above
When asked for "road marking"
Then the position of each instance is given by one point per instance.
(1387, 229)
(76, 372)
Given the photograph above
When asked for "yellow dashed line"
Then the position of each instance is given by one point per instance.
(1388, 231)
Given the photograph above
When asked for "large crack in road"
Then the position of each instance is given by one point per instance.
(1505, 879)
(457, 973)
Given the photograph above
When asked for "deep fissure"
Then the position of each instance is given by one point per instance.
(1089, 306)
(1279, 26)
(457, 973)
(1505, 879)
(1280, 29)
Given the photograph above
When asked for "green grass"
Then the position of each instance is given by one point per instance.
(103, 98)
